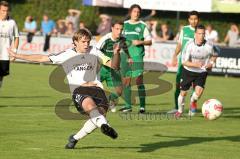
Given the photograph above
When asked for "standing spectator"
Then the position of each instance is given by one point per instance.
(178, 33)
(211, 34)
(165, 33)
(152, 26)
(232, 36)
(30, 26)
(105, 25)
(9, 38)
(47, 28)
(73, 16)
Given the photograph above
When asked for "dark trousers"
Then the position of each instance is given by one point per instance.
(30, 37)
(47, 42)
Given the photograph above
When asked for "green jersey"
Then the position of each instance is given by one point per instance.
(106, 45)
(186, 34)
(136, 31)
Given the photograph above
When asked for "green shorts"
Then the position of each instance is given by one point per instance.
(132, 70)
(112, 77)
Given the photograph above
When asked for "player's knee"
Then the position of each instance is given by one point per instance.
(88, 104)
(139, 80)
(183, 93)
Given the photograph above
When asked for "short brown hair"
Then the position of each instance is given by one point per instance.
(4, 3)
(82, 33)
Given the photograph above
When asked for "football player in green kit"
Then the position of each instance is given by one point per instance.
(137, 35)
(186, 34)
(111, 76)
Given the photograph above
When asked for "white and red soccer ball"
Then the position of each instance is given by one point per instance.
(212, 109)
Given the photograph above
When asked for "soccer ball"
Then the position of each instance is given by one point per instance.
(212, 109)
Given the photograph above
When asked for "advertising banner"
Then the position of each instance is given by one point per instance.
(228, 62)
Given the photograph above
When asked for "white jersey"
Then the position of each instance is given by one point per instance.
(195, 53)
(80, 68)
(8, 31)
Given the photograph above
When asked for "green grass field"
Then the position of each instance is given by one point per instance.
(30, 128)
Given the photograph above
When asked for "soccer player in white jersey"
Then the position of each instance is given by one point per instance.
(197, 58)
(9, 38)
(81, 66)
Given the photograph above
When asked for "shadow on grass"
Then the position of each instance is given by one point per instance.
(26, 106)
(180, 141)
(24, 97)
(183, 141)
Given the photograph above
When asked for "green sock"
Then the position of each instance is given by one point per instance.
(142, 95)
(177, 92)
(113, 97)
(127, 96)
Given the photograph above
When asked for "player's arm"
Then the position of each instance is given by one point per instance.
(33, 58)
(178, 49)
(114, 63)
(213, 58)
(147, 38)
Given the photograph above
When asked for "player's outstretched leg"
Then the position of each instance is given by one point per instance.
(87, 128)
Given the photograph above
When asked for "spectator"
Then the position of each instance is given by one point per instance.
(152, 26)
(61, 26)
(70, 29)
(30, 26)
(47, 28)
(232, 36)
(211, 35)
(165, 33)
(178, 33)
(82, 25)
(153, 13)
(105, 25)
(73, 16)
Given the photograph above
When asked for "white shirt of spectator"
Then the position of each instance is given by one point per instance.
(8, 31)
(80, 68)
(195, 53)
(213, 36)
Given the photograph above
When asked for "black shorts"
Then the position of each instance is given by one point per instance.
(96, 93)
(4, 67)
(189, 78)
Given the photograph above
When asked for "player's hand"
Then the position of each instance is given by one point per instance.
(209, 66)
(130, 61)
(116, 48)
(136, 42)
(199, 65)
(174, 61)
(12, 54)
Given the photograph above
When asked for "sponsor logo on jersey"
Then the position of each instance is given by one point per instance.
(138, 29)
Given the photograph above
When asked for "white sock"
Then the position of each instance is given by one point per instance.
(87, 128)
(194, 97)
(181, 100)
(97, 118)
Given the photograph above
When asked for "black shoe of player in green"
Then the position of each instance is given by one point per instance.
(142, 110)
(109, 131)
(71, 143)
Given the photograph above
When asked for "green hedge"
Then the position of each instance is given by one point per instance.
(57, 9)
